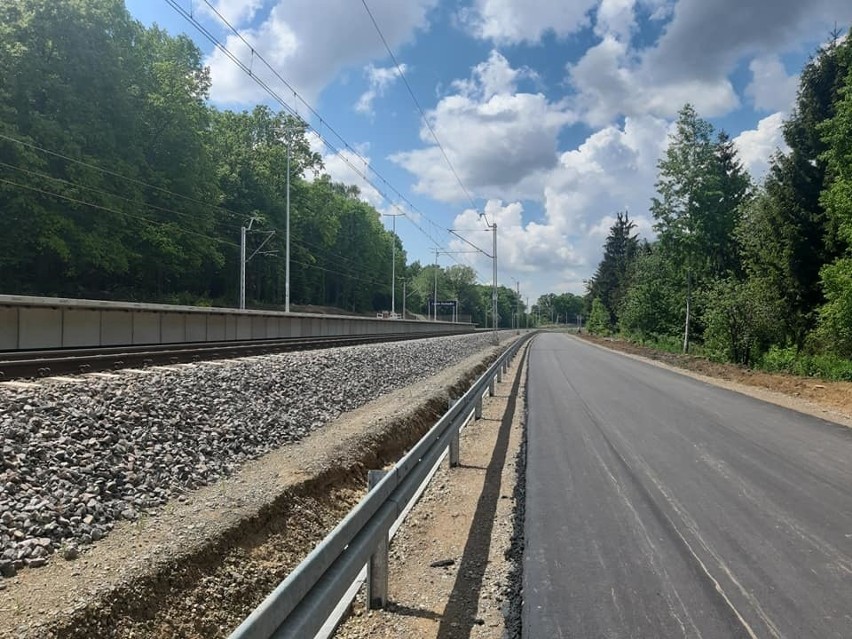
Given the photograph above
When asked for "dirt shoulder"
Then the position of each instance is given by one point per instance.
(452, 561)
(820, 398)
(198, 566)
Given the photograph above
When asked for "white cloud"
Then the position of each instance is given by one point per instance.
(237, 12)
(610, 81)
(613, 170)
(756, 146)
(379, 79)
(706, 39)
(493, 77)
(616, 18)
(516, 21)
(309, 52)
(524, 249)
(348, 166)
(771, 89)
(497, 139)
(691, 62)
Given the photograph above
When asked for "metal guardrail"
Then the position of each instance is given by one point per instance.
(301, 604)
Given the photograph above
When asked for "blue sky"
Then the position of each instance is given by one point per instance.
(553, 113)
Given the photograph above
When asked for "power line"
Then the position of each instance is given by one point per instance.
(100, 191)
(347, 273)
(275, 96)
(118, 175)
(417, 104)
(272, 93)
(255, 55)
(117, 212)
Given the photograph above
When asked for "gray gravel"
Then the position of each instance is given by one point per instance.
(78, 456)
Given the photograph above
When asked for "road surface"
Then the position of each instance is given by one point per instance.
(661, 506)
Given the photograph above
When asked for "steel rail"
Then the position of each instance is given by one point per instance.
(27, 364)
(300, 605)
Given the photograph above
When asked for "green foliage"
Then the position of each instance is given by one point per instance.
(835, 316)
(741, 321)
(787, 236)
(701, 189)
(609, 283)
(563, 308)
(653, 303)
(598, 323)
(791, 360)
(89, 96)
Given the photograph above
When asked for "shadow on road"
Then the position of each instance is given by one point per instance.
(462, 605)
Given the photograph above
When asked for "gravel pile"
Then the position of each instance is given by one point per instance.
(78, 456)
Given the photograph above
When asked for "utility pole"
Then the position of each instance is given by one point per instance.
(242, 301)
(517, 302)
(287, 242)
(245, 260)
(435, 298)
(494, 292)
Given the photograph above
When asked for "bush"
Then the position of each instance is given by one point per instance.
(598, 323)
(741, 320)
(789, 360)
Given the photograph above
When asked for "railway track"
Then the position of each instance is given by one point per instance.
(32, 364)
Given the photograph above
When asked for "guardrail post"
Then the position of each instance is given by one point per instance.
(499, 375)
(377, 568)
(454, 440)
(454, 447)
(492, 387)
(478, 410)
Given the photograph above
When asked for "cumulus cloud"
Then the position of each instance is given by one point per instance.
(771, 89)
(379, 80)
(701, 45)
(516, 21)
(705, 39)
(348, 166)
(613, 170)
(615, 18)
(496, 138)
(756, 146)
(309, 52)
(610, 81)
(237, 12)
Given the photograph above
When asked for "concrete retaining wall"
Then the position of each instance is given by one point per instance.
(31, 323)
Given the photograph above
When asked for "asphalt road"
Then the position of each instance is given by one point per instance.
(661, 506)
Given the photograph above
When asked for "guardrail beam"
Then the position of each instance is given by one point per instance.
(302, 603)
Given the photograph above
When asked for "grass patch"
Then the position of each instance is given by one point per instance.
(788, 360)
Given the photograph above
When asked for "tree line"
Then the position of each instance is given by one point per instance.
(118, 180)
(756, 274)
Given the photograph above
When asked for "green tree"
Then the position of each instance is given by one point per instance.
(653, 303)
(701, 187)
(609, 283)
(684, 185)
(787, 236)
(740, 320)
(835, 316)
(598, 323)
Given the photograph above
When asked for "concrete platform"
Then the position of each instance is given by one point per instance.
(39, 323)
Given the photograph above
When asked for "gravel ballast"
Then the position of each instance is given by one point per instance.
(79, 455)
